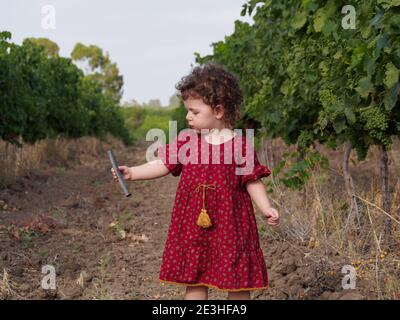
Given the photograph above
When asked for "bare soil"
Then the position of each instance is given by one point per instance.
(106, 246)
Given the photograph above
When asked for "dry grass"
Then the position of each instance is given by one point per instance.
(317, 215)
(16, 162)
(6, 287)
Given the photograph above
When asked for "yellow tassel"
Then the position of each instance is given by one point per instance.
(204, 219)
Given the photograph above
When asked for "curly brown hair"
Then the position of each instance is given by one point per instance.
(215, 85)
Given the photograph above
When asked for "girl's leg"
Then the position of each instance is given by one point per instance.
(240, 295)
(196, 293)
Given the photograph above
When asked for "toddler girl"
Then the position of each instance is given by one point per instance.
(212, 239)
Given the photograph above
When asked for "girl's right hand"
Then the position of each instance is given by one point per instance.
(125, 171)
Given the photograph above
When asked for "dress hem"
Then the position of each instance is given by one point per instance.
(212, 286)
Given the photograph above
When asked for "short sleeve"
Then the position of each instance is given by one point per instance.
(254, 172)
(168, 154)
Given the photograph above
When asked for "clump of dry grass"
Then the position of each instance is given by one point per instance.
(16, 162)
(6, 287)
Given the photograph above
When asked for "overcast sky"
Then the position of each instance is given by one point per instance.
(152, 41)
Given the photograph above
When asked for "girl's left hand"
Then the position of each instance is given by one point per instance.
(272, 216)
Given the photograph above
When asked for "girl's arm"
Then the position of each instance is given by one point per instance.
(150, 170)
(258, 194)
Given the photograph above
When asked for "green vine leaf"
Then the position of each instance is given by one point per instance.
(391, 75)
(299, 20)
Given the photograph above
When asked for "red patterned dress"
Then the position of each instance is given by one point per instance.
(226, 255)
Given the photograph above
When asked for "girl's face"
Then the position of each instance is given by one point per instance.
(202, 116)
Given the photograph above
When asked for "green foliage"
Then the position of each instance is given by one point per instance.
(43, 95)
(306, 78)
(51, 48)
(179, 115)
(296, 169)
(101, 70)
(139, 120)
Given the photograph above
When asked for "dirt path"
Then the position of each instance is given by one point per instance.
(105, 246)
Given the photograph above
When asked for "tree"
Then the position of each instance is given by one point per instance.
(51, 48)
(131, 103)
(174, 101)
(307, 79)
(153, 103)
(100, 67)
(44, 96)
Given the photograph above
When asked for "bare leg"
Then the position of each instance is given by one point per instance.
(240, 295)
(196, 293)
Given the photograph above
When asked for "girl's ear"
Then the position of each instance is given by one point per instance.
(219, 111)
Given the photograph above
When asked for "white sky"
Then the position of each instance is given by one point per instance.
(152, 42)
